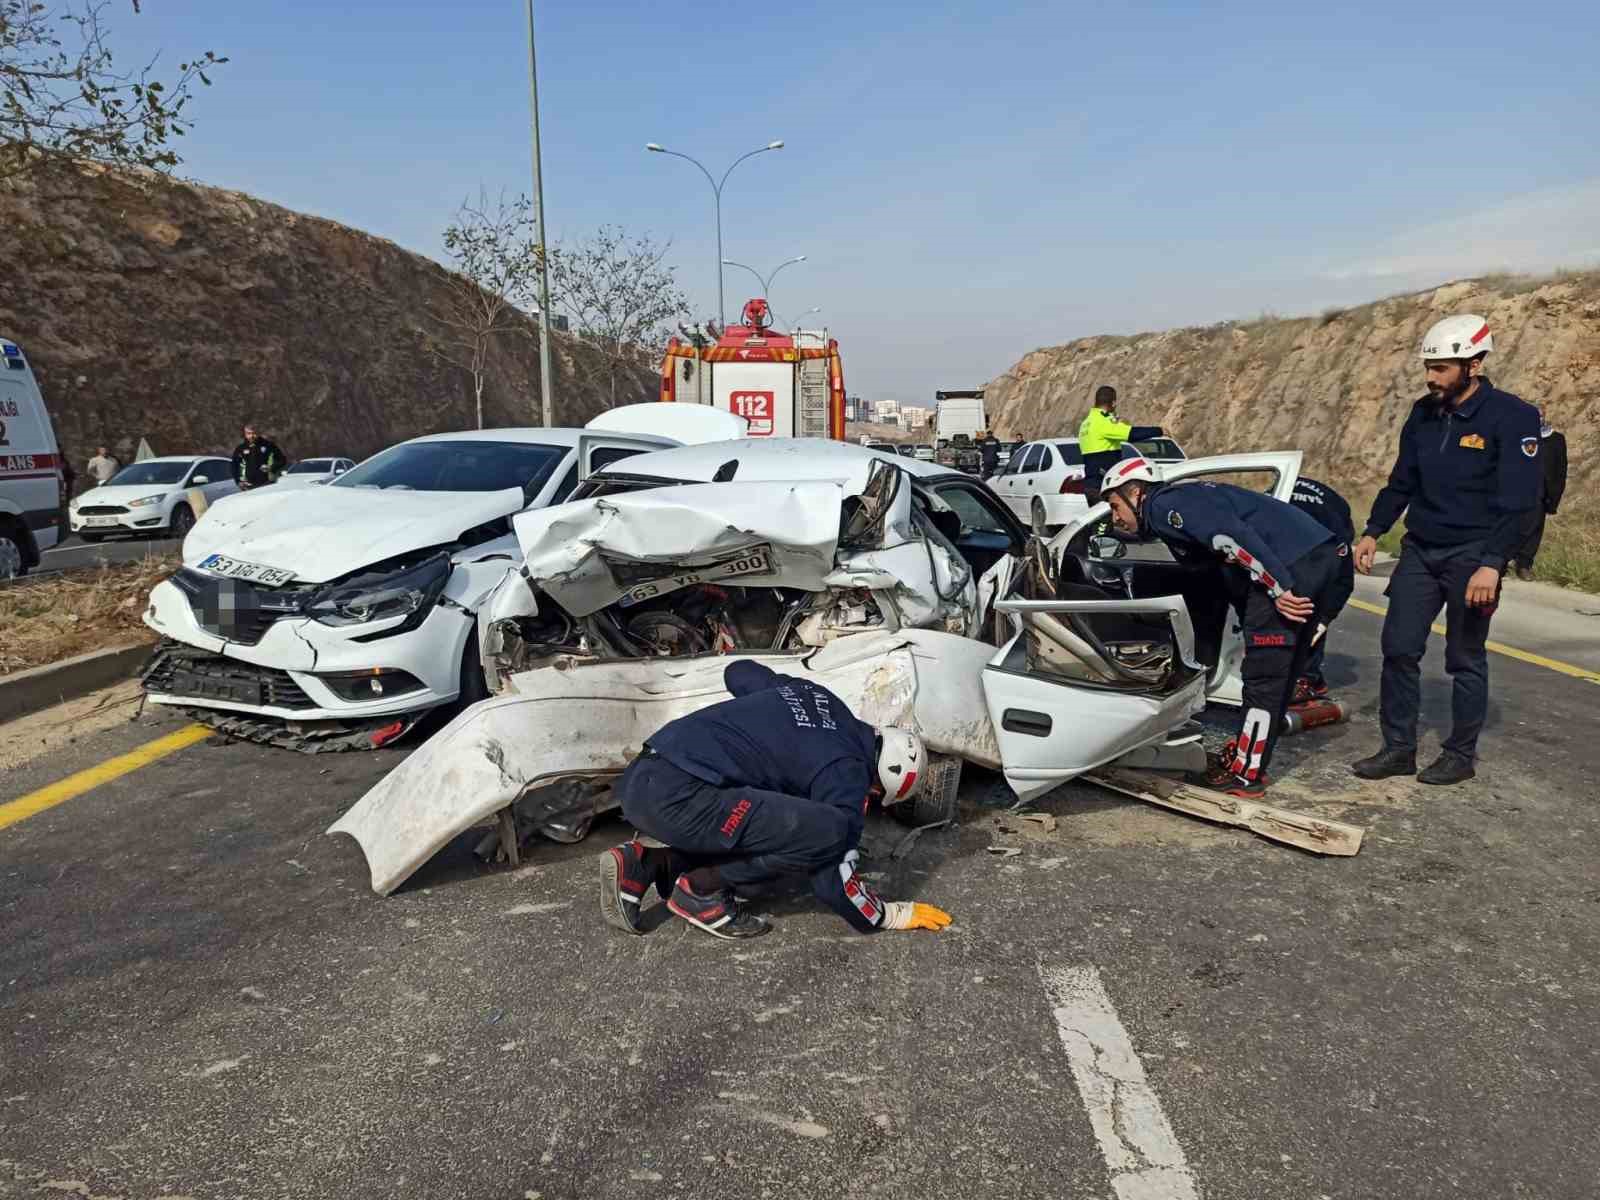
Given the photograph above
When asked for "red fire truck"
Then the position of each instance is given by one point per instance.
(784, 384)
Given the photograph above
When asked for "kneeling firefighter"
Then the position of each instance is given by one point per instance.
(1287, 566)
(773, 782)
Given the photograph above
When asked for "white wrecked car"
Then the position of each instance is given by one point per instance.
(334, 617)
(905, 587)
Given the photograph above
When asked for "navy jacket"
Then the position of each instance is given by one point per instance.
(1255, 532)
(1466, 475)
(783, 734)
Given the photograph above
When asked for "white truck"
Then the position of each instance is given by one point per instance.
(960, 425)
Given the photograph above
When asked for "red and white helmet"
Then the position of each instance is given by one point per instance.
(901, 762)
(1130, 470)
(1466, 336)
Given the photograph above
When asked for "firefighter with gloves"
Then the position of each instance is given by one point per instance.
(774, 782)
(1286, 565)
(1466, 476)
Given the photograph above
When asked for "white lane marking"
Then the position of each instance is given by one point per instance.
(1135, 1137)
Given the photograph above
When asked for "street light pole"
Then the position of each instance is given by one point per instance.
(716, 190)
(538, 220)
(766, 283)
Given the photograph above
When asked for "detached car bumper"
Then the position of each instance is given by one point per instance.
(302, 670)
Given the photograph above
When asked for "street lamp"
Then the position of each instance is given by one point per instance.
(766, 283)
(716, 189)
(547, 401)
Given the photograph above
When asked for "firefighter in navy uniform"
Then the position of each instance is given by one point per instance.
(773, 782)
(1330, 510)
(1466, 476)
(1289, 566)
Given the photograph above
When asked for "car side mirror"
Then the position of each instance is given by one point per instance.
(340, 470)
(1107, 547)
(198, 479)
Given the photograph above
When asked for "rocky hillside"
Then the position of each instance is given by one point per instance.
(166, 310)
(1337, 386)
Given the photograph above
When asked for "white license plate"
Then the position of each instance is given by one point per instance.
(232, 568)
(100, 522)
(751, 562)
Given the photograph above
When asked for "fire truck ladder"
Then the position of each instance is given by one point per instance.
(812, 418)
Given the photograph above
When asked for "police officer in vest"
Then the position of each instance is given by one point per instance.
(1101, 438)
(1466, 475)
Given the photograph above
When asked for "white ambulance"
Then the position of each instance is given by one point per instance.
(31, 491)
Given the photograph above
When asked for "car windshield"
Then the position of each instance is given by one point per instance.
(457, 466)
(150, 472)
(1158, 448)
(311, 466)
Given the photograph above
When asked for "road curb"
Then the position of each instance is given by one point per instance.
(29, 691)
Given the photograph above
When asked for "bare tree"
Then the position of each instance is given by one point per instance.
(617, 293)
(61, 90)
(496, 259)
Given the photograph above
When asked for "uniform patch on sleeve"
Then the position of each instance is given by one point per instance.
(1530, 447)
(1175, 519)
(1472, 441)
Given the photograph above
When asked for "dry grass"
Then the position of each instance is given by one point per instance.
(49, 619)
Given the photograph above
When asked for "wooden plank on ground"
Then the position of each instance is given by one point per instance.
(1320, 835)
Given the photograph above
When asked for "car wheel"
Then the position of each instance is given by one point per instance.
(182, 521)
(937, 801)
(12, 563)
(474, 686)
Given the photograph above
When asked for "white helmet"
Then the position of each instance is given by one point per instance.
(901, 759)
(1130, 470)
(1466, 336)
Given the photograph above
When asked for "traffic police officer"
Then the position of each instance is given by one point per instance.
(1101, 438)
(1289, 566)
(770, 783)
(1466, 476)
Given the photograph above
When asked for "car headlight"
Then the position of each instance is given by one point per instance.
(143, 501)
(409, 592)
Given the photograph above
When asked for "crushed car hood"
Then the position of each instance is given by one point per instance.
(591, 553)
(323, 533)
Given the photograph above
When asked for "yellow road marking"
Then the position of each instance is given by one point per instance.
(92, 777)
(1538, 660)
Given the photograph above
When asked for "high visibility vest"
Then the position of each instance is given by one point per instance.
(1101, 432)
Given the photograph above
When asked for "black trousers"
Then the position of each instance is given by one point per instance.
(753, 835)
(1425, 580)
(1531, 534)
(1095, 467)
(1275, 652)
(1344, 585)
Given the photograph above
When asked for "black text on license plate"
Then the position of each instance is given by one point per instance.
(756, 562)
(209, 687)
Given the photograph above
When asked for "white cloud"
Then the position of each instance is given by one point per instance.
(1536, 231)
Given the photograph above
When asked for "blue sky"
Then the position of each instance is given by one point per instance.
(968, 181)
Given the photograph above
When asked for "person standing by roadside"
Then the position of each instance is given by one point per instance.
(102, 466)
(1552, 486)
(1101, 438)
(991, 456)
(256, 461)
(1466, 475)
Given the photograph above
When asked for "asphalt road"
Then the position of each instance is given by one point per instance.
(199, 996)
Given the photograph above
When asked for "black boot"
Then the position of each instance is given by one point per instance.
(1448, 768)
(1386, 763)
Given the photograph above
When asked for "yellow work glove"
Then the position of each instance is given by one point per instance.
(910, 914)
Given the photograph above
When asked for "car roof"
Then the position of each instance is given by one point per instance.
(549, 437)
(173, 458)
(773, 459)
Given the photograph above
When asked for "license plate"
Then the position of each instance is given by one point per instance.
(751, 562)
(232, 568)
(209, 687)
(98, 522)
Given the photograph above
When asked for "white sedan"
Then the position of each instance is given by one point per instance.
(334, 617)
(153, 496)
(905, 587)
(1043, 481)
(314, 470)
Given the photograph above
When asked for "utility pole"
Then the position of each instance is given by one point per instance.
(538, 219)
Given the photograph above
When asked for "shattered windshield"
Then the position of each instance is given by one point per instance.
(457, 466)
